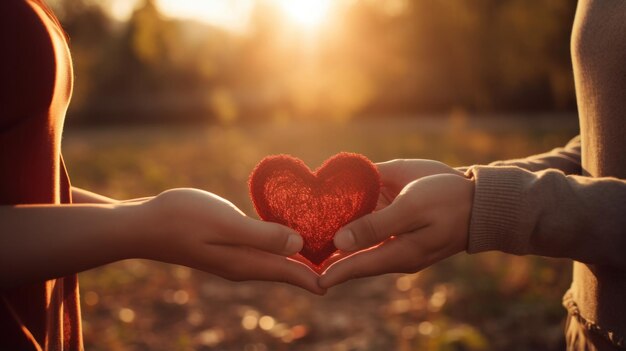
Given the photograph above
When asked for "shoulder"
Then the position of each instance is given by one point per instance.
(27, 59)
(22, 18)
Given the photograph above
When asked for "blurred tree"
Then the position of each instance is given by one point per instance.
(162, 69)
(90, 33)
(371, 57)
(145, 51)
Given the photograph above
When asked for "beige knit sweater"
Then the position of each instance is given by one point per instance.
(571, 202)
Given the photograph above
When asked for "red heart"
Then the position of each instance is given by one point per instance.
(315, 204)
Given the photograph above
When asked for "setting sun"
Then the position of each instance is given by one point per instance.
(308, 13)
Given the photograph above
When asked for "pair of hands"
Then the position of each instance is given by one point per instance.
(422, 217)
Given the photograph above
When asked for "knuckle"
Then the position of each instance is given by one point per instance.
(410, 198)
(389, 169)
(408, 259)
(371, 233)
(407, 265)
(282, 238)
(406, 270)
(235, 274)
(247, 252)
(276, 238)
(353, 272)
(283, 276)
(200, 257)
(411, 264)
(234, 278)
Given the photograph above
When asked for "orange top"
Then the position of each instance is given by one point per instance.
(35, 90)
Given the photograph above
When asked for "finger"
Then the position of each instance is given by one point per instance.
(299, 258)
(391, 256)
(266, 236)
(138, 200)
(396, 174)
(388, 170)
(385, 198)
(339, 255)
(372, 229)
(242, 263)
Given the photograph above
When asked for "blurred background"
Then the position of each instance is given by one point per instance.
(193, 93)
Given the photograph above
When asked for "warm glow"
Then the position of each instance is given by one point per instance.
(230, 14)
(308, 13)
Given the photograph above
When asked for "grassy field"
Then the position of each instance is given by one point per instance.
(482, 302)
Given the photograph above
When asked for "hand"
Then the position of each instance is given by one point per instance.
(426, 222)
(201, 230)
(396, 174)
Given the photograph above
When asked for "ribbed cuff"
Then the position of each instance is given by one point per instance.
(496, 209)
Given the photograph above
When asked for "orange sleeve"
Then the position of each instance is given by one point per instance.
(26, 63)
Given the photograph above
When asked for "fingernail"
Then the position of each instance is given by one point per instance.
(344, 240)
(294, 243)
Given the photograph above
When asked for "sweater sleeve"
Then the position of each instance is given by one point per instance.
(548, 213)
(566, 159)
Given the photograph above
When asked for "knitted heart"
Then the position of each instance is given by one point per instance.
(315, 204)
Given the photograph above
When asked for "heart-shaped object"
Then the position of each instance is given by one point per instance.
(315, 204)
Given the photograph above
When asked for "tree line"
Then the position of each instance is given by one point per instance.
(370, 58)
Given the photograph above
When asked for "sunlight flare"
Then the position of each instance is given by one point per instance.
(307, 13)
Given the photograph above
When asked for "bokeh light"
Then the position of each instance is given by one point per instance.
(308, 13)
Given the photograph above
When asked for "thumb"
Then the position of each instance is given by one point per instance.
(369, 230)
(270, 237)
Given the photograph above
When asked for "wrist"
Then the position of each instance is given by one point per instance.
(154, 223)
(138, 223)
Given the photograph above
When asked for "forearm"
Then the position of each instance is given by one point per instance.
(548, 213)
(82, 196)
(41, 241)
